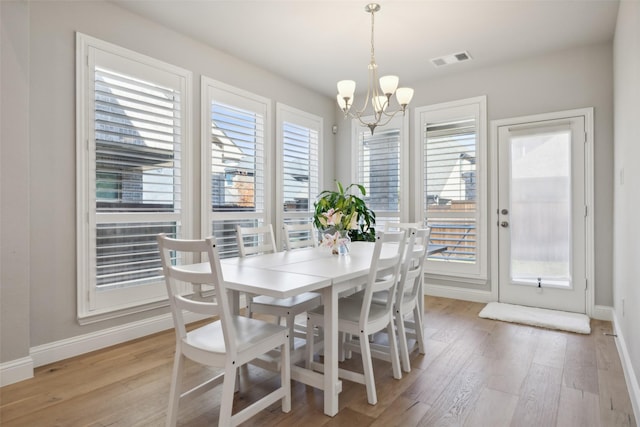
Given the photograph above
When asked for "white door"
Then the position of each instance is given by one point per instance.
(541, 214)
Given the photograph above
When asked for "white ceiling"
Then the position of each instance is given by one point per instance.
(317, 43)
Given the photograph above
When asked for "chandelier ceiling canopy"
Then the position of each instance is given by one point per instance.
(379, 95)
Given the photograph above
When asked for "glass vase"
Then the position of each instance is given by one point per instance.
(343, 244)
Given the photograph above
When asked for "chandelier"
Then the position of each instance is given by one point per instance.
(380, 97)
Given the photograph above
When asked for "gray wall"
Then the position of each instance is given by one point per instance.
(626, 250)
(38, 52)
(14, 181)
(576, 78)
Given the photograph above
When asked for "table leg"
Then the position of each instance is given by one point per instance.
(332, 386)
(234, 301)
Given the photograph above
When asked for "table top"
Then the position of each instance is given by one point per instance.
(289, 273)
(261, 281)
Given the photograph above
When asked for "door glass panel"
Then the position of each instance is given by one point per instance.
(540, 210)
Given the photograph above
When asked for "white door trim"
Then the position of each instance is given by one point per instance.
(587, 113)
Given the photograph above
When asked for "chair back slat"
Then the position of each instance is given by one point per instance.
(300, 236)
(264, 241)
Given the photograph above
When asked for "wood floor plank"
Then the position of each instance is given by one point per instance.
(492, 409)
(615, 405)
(403, 413)
(456, 401)
(578, 408)
(551, 349)
(539, 397)
(580, 366)
(447, 365)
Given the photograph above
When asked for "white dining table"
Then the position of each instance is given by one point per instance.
(284, 274)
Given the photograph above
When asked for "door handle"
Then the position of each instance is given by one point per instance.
(504, 224)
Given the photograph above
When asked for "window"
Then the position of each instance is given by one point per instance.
(452, 185)
(382, 167)
(235, 169)
(132, 116)
(298, 164)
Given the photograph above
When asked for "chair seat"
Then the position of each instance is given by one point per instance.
(349, 310)
(377, 297)
(285, 302)
(250, 332)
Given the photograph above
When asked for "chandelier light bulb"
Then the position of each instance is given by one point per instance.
(404, 95)
(389, 84)
(346, 88)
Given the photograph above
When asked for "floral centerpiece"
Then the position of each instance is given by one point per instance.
(343, 217)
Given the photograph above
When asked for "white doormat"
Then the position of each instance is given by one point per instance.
(551, 319)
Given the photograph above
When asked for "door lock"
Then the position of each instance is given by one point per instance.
(504, 211)
(504, 224)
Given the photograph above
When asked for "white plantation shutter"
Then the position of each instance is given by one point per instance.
(453, 148)
(380, 157)
(235, 147)
(451, 193)
(133, 114)
(298, 164)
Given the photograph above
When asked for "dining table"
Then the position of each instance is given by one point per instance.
(289, 273)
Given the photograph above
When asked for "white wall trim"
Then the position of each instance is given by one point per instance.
(629, 374)
(81, 344)
(15, 371)
(458, 293)
(602, 312)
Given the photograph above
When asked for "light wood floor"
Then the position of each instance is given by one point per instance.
(476, 372)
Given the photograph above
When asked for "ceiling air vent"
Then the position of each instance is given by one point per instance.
(451, 59)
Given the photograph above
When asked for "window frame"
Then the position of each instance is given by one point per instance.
(287, 114)
(401, 122)
(210, 90)
(476, 273)
(93, 306)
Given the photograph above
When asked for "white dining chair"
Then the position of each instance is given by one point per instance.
(408, 293)
(227, 343)
(287, 308)
(300, 236)
(361, 318)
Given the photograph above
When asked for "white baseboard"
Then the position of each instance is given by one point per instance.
(22, 369)
(627, 367)
(458, 293)
(602, 312)
(16, 370)
(75, 346)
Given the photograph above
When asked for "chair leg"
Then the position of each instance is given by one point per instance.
(367, 364)
(285, 375)
(342, 338)
(228, 387)
(176, 386)
(402, 339)
(393, 349)
(309, 344)
(419, 329)
(291, 324)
